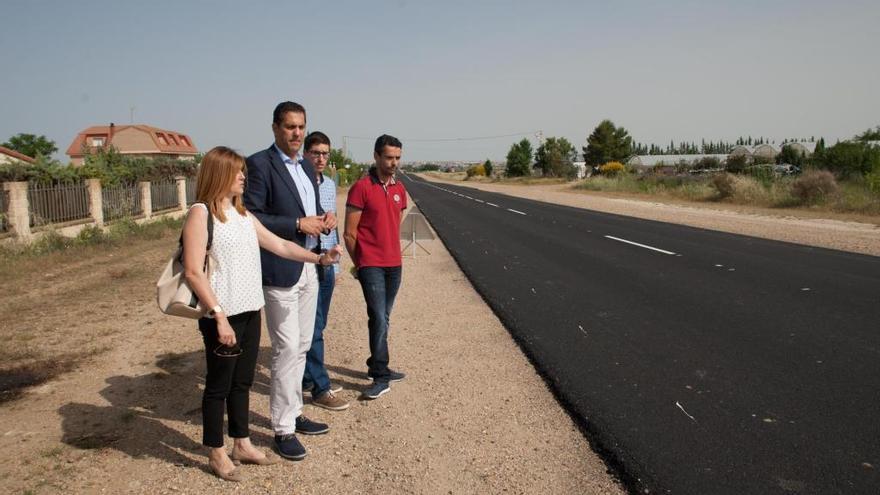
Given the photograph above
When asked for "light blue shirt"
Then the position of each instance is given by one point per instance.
(327, 196)
(304, 187)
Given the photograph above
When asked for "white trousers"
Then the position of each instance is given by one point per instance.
(290, 319)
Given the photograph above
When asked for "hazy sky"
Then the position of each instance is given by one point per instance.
(682, 70)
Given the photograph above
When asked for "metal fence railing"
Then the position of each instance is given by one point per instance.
(123, 200)
(164, 194)
(190, 190)
(58, 202)
(4, 208)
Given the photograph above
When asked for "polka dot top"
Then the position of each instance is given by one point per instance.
(236, 276)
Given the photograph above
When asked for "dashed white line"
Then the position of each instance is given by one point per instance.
(639, 245)
(477, 200)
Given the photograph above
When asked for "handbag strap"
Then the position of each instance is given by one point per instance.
(210, 236)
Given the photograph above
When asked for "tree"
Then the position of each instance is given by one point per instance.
(607, 143)
(554, 158)
(519, 159)
(31, 145)
(790, 155)
(847, 158)
(870, 135)
(487, 166)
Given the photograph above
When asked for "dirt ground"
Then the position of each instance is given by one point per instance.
(121, 411)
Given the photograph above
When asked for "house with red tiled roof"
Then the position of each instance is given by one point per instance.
(11, 156)
(132, 140)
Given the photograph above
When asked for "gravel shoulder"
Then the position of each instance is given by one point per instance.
(796, 226)
(472, 416)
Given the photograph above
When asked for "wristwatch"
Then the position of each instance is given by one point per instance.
(297, 225)
(213, 311)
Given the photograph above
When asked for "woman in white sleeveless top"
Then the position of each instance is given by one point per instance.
(231, 331)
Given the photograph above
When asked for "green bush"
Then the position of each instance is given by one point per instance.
(707, 162)
(108, 165)
(736, 164)
(849, 159)
(91, 234)
(872, 180)
(814, 186)
(763, 173)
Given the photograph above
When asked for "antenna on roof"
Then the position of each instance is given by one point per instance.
(131, 114)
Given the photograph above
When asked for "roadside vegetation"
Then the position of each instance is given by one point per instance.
(843, 178)
(15, 257)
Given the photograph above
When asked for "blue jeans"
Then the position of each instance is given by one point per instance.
(379, 285)
(315, 372)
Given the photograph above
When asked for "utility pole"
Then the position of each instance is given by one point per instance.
(131, 114)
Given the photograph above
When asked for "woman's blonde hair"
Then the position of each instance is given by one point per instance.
(217, 174)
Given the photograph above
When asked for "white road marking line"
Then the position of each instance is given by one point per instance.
(479, 201)
(511, 209)
(685, 412)
(468, 197)
(639, 245)
(492, 204)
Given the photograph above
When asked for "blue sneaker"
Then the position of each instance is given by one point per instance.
(289, 447)
(393, 376)
(377, 389)
(306, 426)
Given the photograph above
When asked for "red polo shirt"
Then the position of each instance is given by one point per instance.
(378, 232)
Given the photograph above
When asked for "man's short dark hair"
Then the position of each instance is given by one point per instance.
(386, 140)
(314, 138)
(284, 108)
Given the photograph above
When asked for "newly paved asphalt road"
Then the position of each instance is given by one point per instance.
(700, 362)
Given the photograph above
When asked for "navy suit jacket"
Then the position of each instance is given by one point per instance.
(271, 195)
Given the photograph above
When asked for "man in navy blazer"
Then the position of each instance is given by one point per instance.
(281, 191)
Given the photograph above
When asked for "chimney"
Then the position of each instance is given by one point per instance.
(110, 137)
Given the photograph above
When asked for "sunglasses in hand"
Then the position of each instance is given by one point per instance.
(223, 350)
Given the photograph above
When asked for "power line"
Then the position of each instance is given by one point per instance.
(446, 140)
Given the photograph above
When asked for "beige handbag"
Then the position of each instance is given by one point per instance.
(173, 293)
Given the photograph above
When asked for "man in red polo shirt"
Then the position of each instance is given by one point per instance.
(372, 238)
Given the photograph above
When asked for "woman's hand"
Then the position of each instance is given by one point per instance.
(225, 334)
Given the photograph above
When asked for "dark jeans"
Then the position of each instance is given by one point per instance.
(315, 373)
(379, 285)
(229, 379)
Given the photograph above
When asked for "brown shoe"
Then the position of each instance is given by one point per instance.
(268, 459)
(328, 400)
(234, 475)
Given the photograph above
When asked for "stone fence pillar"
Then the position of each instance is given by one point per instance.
(146, 199)
(96, 201)
(181, 192)
(18, 211)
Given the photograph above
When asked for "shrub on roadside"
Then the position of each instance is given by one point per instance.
(611, 169)
(475, 170)
(814, 186)
(872, 180)
(707, 163)
(724, 184)
(736, 164)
